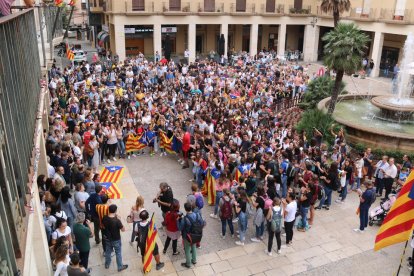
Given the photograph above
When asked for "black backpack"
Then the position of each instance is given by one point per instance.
(196, 229)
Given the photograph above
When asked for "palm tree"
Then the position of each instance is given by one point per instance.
(344, 48)
(335, 6)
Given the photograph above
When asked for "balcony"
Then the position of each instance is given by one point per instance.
(204, 9)
(138, 7)
(396, 17)
(182, 7)
(242, 10)
(300, 11)
(363, 15)
(272, 11)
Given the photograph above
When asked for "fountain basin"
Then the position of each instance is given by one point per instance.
(397, 110)
(363, 125)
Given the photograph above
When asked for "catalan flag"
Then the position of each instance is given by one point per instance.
(58, 3)
(209, 187)
(166, 143)
(150, 245)
(241, 170)
(399, 222)
(111, 174)
(72, 3)
(135, 143)
(69, 53)
(111, 189)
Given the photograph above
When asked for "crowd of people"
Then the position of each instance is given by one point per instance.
(231, 123)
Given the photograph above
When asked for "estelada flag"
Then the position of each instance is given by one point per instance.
(150, 245)
(135, 143)
(209, 188)
(111, 174)
(166, 143)
(111, 189)
(69, 53)
(241, 170)
(399, 222)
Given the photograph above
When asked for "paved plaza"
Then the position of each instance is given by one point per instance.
(329, 247)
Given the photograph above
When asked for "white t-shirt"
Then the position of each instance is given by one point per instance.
(57, 234)
(61, 267)
(52, 219)
(77, 152)
(291, 209)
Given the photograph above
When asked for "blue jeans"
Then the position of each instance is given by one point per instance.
(199, 177)
(121, 147)
(344, 190)
(304, 215)
(363, 218)
(133, 234)
(223, 226)
(259, 230)
(110, 246)
(219, 195)
(327, 198)
(358, 182)
(242, 226)
(284, 186)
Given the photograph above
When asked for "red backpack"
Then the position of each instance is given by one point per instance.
(225, 210)
(268, 202)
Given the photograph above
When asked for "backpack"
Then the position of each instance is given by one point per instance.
(291, 171)
(373, 196)
(268, 202)
(276, 223)
(225, 210)
(199, 201)
(196, 229)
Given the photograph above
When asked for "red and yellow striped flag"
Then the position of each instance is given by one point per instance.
(58, 3)
(69, 53)
(149, 245)
(166, 143)
(134, 143)
(399, 222)
(72, 3)
(111, 174)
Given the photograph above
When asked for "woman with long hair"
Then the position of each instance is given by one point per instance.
(134, 215)
(173, 233)
(62, 260)
(67, 205)
(241, 213)
(62, 230)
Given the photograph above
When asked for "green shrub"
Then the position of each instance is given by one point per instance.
(315, 118)
(318, 89)
(378, 153)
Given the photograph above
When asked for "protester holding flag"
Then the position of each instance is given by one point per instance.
(147, 234)
(366, 199)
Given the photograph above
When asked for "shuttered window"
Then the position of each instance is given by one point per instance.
(138, 5)
(270, 5)
(298, 4)
(241, 5)
(175, 5)
(209, 5)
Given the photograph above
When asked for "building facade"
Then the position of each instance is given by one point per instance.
(133, 26)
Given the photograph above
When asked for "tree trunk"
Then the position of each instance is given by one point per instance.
(336, 18)
(335, 91)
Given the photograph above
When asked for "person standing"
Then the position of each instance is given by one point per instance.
(226, 212)
(274, 225)
(380, 167)
(290, 215)
(370, 67)
(113, 227)
(164, 198)
(365, 200)
(74, 268)
(82, 234)
(390, 174)
(90, 206)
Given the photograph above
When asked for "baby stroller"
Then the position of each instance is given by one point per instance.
(377, 215)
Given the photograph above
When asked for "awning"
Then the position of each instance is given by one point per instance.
(103, 36)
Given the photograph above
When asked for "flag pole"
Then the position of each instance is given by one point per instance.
(67, 26)
(402, 257)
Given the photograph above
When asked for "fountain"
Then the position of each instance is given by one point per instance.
(381, 121)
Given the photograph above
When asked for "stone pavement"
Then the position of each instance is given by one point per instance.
(330, 246)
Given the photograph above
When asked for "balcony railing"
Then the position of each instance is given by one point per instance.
(302, 11)
(218, 8)
(250, 8)
(389, 15)
(139, 9)
(280, 9)
(184, 7)
(361, 14)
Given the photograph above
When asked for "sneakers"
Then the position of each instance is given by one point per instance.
(279, 252)
(338, 200)
(176, 253)
(161, 154)
(129, 157)
(108, 161)
(239, 243)
(185, 265)
(326, 207)
(123, 268)
(301, 230)
(114, 159)
(232, 235)
(255, 240)
(159, 266)
(269, 253)
(165, 153)
(235, 220)
(213, 216)
(223, 237)
(261, 238)
(358, 230)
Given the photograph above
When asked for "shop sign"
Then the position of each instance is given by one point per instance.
(129, 30)
(169, 29)
(105, 28)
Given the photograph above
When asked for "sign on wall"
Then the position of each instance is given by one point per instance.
(169, 29)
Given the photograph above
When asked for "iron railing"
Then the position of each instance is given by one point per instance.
(304, 10)
(404, 16)
(19, 94)
(279, 9)
(49, 13)
(249, 8)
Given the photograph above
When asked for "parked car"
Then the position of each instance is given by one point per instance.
(80, 56)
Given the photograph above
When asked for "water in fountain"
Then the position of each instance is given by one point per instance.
(404, 75)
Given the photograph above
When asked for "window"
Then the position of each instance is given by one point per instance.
(138, 5)
(175, 5)
(240, 5)
(298, 5)
(270, 5)
(209, 5)
(83, 4)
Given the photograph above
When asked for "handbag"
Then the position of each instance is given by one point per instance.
(129, 219)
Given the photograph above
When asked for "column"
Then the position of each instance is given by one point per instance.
(281, 43)
(376, 53)
(192, 41)
(254, 36)
(310, 43)
(156, 36)
(119, 40)
(224, 29)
